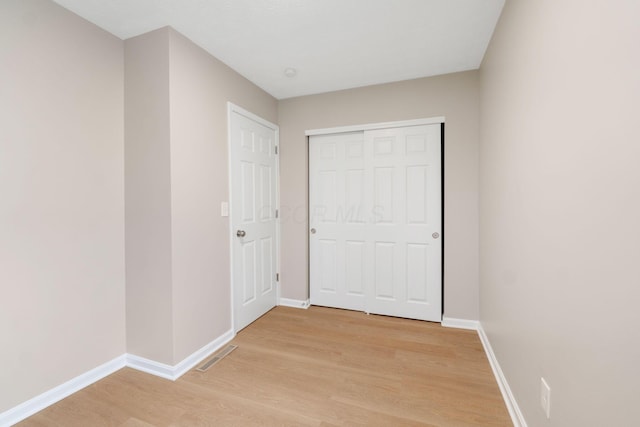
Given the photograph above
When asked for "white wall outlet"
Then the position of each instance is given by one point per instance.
(545, 397)
(224, 209)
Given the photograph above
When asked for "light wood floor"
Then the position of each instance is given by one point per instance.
(316, 367)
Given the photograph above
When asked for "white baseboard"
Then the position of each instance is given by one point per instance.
(174, 372)
(450, 322)
(48, 398)
(295, 303)
(150, 366)
(512, 406)
(38, 403)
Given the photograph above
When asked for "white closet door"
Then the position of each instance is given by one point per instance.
(407, 251)
(338, 207)
(375, 217)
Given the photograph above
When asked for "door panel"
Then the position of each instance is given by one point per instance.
(253, 206)
(248, 274)
(375, 204)
(268, 262)
(328, 279)
(384, 266)
(355, 264)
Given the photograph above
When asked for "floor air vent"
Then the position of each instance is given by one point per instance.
(216, 358)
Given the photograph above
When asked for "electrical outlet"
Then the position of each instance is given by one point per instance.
(545, 397)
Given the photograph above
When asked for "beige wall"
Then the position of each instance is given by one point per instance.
(61, 203)
(178, 289)
(560, 207)
(454, 96)
(199, 90)
(148, 197)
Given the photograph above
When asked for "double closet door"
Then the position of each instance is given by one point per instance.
(375, 216)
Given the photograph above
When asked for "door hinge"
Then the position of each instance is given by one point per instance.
(276, 149)
(277, 213)
(277, 277)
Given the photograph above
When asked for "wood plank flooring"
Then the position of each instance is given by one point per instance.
(315, 367)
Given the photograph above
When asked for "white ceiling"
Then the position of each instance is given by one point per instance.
(333, 44)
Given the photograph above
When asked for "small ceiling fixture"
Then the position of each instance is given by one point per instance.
(290, 72)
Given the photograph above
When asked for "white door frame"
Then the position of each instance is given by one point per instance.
(233, 108)
(375, 126)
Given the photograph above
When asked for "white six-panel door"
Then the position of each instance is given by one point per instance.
(339, 227)
(375, 221)
(253, 216)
